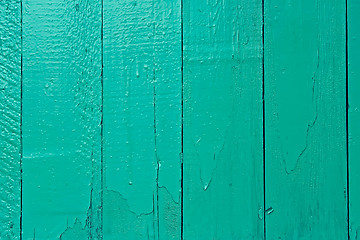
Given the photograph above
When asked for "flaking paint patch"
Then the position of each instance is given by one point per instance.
(123, 223)
(169, 215)
(120, 222)
(78, 232)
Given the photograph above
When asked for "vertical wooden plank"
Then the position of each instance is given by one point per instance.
(130, 164)
(305, 93)
(10, 110)
(62, 119)
(142, 119)
(354, 115)
(223, 171)
(167, 99)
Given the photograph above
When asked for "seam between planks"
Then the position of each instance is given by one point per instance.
(102, 124)
(263, 102)
(157, 230)
(182, 120)
(347, 120)
(21, 116)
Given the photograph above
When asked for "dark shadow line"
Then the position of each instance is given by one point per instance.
(157, 161)
(347, 119)
(21, 120)
(182, 119)
(156, 213)
(263, 102)
(102, 124)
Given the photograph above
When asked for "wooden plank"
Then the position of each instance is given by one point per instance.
(354, 115)
(10, 110)
(223, 171)
(130, 164)
(142, 119)
(167, 99)
(305, 93)
(62, 119)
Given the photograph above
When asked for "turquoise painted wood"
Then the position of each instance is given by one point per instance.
(61, 119)
(354, 115)
(10, 122)
(142, 119)
(305, 120)
(223, 145)
(168, 115)
(179, 119)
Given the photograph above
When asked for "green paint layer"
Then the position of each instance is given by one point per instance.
(142, 119)
(10, 110)
(61, 119)
(305, 117)
(183, 83)
(223, 183)
(354, 115)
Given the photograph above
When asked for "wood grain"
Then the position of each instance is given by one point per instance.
(167, 107)
(223, 170)
(62, 119)
(305, 95)
(179, 119)
(142, 119)
(10, 111)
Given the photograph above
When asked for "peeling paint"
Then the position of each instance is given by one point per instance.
(120, 222)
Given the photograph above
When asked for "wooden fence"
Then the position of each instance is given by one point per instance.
(180, 119)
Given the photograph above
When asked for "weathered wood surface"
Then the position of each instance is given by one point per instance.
(179, 119)
(223, 157)
(61, 119)
(142, 119)
(10, 122)
(305, 120)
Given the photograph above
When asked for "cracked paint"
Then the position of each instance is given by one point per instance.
(182, 119)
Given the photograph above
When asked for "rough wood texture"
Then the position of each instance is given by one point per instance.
(168, 144)
(167, 107)
(10, 110)
(354, 115)
(142, 119)
(305, 95)
(61, 119)
(223, 183)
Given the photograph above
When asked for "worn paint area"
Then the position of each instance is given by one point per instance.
(61, 117)
(142, 134)
(223, 172)
(305, 120)
(179, 119)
